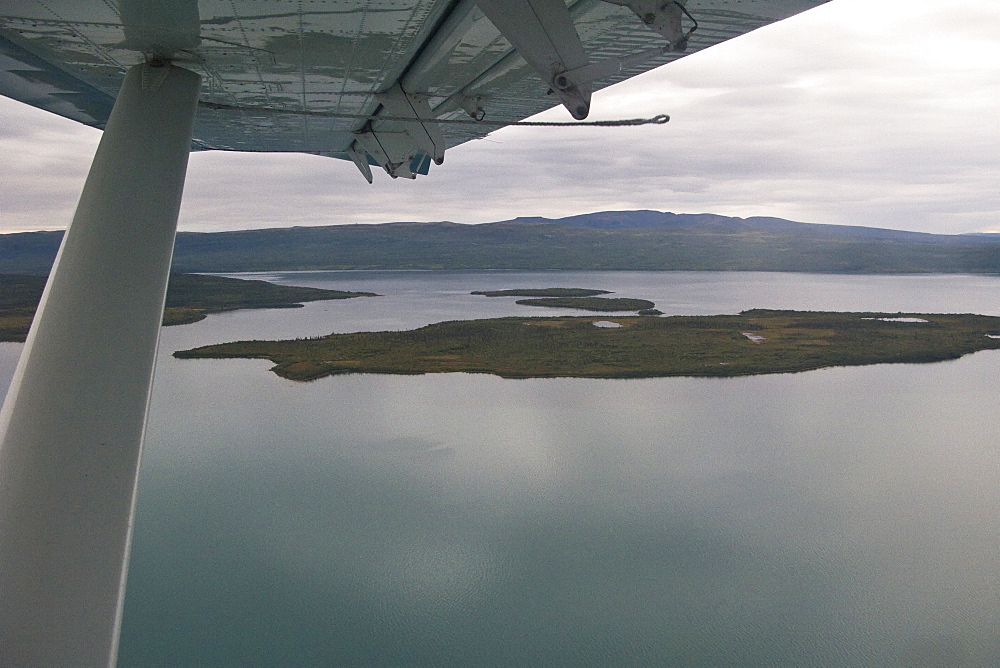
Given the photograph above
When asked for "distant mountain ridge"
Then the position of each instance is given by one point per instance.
(618, 220)
(607, 240)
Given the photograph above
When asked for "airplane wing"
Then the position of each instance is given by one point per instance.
(392, 83)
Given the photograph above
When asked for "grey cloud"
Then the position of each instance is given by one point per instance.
(865, 113)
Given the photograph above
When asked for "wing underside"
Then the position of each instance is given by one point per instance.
(391, 83)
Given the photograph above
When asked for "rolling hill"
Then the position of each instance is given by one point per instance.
(611, 240)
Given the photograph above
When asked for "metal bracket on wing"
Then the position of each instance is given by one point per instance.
(402, 152)
(663, 16)
(427, 136)
(395, 152)
(543, 33)
(473, 106)
(369, 141)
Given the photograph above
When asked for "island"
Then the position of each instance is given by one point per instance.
(190, 298)
(542, 292)
(576, 298)
(753, 342)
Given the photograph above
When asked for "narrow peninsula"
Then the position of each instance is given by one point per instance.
(190, 298)
(753, 342)
(602, 304)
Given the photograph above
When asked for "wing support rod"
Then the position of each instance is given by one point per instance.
(542, 32)
(72, 424)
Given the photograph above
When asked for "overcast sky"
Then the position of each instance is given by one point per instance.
(883, 113)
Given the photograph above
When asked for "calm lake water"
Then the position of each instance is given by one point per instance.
(845, 516)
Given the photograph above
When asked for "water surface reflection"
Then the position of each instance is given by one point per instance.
(837, 517)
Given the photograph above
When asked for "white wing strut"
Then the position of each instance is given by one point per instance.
(72, 424)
